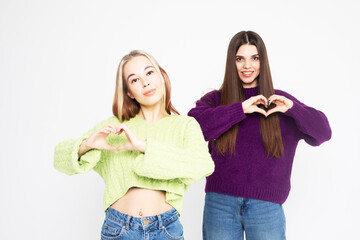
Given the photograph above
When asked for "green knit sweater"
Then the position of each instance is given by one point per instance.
(176, 156)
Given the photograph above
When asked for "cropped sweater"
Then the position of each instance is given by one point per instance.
(249, 172)
(176, 156)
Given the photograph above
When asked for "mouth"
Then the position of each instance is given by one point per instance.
(150, 92)
(247, 73)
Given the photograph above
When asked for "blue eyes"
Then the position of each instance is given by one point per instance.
(238, 59)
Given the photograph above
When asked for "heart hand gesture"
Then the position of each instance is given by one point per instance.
(98, 140)
(282, 104)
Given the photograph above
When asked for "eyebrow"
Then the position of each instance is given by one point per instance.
(255, 55)
(134, 73)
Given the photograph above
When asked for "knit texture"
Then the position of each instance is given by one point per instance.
(176, 156)
(249, 172)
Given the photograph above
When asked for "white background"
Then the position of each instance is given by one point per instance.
(58, 62)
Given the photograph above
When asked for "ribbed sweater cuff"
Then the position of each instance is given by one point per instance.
(296, 111)
(247, 191)
(236, 112)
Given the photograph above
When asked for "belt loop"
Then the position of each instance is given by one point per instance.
(160, 222)
(128, 222)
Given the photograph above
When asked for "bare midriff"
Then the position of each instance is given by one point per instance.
(140, 202)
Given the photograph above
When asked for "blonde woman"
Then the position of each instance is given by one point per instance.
(147, 154)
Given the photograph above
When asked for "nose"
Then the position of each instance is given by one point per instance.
(145, 82)
(247, 64)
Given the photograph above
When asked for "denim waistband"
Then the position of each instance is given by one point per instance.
(151, 222)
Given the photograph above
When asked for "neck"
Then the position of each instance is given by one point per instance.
(152, 113)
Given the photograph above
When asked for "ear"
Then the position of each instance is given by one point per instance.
(130, 95)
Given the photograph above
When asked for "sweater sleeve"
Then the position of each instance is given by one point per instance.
(189, 163)
(312, 124)
(215, 119)
(66, 157)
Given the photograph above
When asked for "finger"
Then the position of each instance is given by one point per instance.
(113, 128)
(260, 99)
(120, 128)
(110, 129)
(275, 101)
(107, 129)
(256, 98)
(122, 147)
(123, 128)
(109, 147)
(129, 134)
(104, 130)
(276, 97)
(126, 146)
(273, 98)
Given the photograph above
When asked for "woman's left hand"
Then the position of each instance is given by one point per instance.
(133, 142)
(282, 104)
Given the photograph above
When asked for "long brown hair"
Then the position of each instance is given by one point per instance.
(123, 106)
(232, 91)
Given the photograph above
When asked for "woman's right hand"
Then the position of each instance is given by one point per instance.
(250, 105)
(98, 140)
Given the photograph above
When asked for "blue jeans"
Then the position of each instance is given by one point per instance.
(121, 226)
(227, 217)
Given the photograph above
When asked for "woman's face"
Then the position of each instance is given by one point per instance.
(143, 81)
(248, 65)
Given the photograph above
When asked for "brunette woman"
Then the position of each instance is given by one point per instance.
(253, 131)
(146, 156)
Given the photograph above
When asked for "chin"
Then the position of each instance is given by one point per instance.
(151, 102)
(248, 82)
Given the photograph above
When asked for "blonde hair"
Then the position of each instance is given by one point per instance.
(125, 107)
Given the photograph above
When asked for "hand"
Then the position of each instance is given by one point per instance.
(282, 104)
(250, 105)
(133, 142)
(98, 139)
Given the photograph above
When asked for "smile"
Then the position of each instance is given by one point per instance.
(247, 73)
(150, 92)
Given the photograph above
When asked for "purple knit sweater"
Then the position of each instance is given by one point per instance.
(249, 173)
